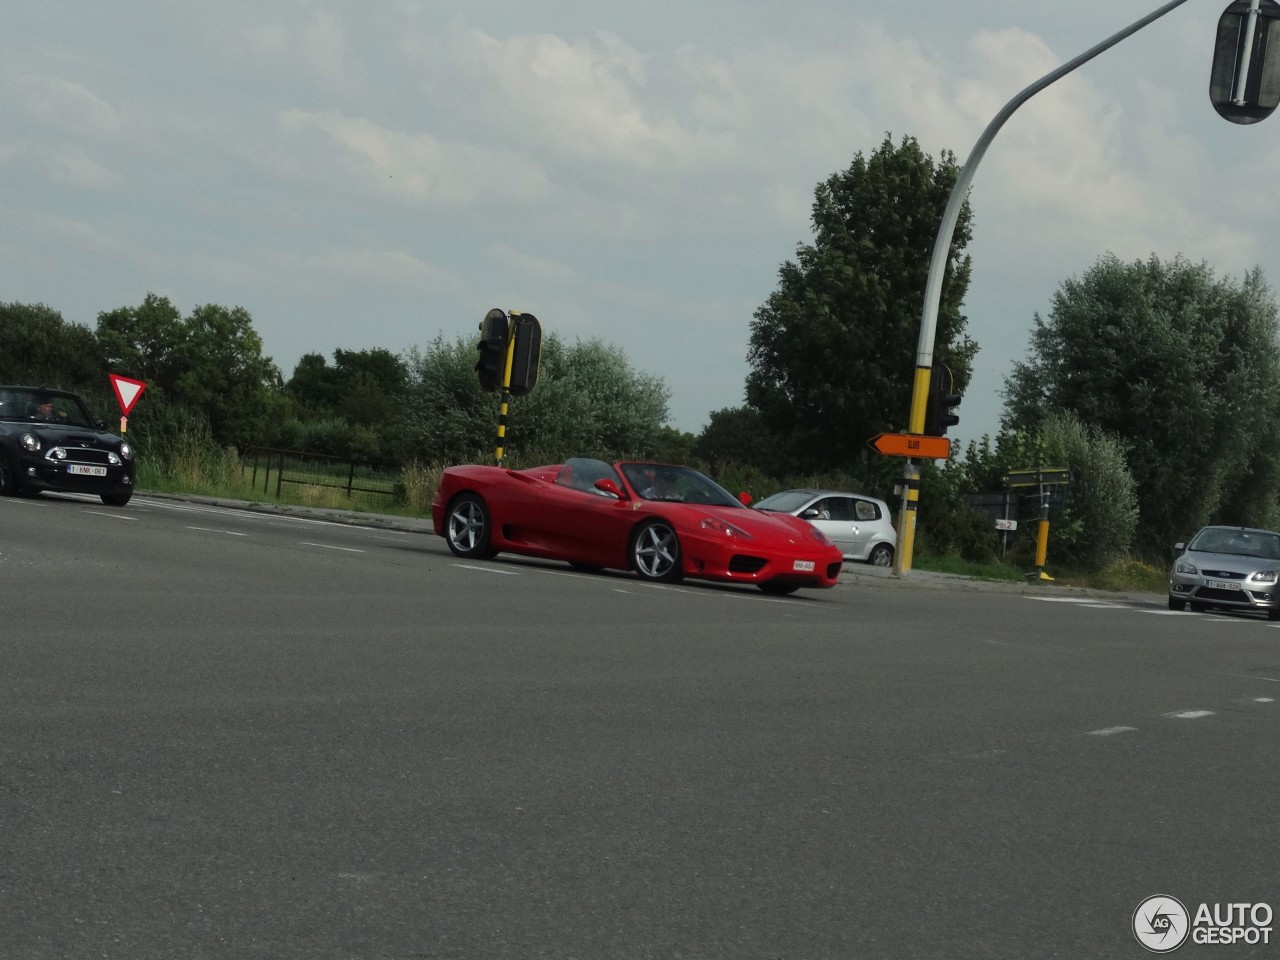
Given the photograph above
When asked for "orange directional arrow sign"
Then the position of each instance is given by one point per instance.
(911, 445)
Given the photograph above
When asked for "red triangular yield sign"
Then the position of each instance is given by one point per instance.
(127, 391)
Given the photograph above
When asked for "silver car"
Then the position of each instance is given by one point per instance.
(860, 526)
(1235, 568)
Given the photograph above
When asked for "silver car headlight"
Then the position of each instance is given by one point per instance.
(1264, 576)
(126, 451)
(113, 458)
(1185, 566)
(30, 442)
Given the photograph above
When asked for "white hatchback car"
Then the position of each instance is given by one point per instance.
(859, 525)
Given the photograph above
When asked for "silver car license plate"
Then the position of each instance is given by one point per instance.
(1221, 585)
(84, 471)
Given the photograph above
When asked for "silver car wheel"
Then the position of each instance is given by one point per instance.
(655, 552)
(881, 555)
(467, 528)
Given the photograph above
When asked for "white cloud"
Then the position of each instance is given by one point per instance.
(422, 168)
(75, 168)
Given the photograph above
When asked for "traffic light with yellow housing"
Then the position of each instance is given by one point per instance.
(492, 365)
(939, 409)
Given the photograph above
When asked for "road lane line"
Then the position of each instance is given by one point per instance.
(1247, 676)
(329, 546)
(229, 533)
(467, 566)
(116, 516)
(1190, 714)
(1110, 731)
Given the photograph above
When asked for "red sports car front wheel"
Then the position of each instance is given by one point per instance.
(655, 552)
(467, 528)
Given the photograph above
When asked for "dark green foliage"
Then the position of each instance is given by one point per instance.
(40, 348)
(832, 352)
(1183, 369)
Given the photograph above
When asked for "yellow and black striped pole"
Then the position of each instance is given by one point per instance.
(500, 452)
(911, 475)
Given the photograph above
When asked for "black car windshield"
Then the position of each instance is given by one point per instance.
(788, 501)
(660, 481)
(31, 405)
(1238, 542)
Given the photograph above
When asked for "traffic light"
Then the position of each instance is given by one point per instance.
(528, 349)
(1244, 82)
(492, 365)
(938, 413)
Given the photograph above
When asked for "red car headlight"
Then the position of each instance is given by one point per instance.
(725, 528)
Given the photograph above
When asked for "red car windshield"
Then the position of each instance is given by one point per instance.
(660, 481)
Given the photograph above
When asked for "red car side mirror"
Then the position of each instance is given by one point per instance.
(605, 485)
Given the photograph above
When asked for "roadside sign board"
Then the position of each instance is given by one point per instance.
(911, 445)
(1037, 478)
(127, 391)
(1006, 524)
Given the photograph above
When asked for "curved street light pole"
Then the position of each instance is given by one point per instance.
(937, 268)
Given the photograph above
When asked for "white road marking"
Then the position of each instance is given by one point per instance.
(329, 546)
(1191, 714)
(229, 533)
(117, 516)
(505, 573)
(1247, 676)
(1110, 731)
(1264, 700)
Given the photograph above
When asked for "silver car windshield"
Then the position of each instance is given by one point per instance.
(1236, 542)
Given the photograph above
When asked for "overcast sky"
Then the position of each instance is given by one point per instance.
(377, 174)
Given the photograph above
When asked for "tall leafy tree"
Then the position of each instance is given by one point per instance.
(37, 346)
(589, 400)
(224, 373)
(143, 341)
(832, 351)
(1183, 368)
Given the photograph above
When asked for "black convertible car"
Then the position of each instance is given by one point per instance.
(50, 441)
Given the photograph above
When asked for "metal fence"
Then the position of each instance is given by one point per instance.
(276, 468)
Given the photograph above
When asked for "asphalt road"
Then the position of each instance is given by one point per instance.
(235, 734)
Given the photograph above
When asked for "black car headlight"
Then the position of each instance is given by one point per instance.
(113, 458)
(30, 442)
(126, 451)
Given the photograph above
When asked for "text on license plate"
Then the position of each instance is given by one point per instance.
(803, 566)
(84, 471)
(1221, 585)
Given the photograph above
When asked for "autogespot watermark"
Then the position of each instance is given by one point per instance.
(1162, 924)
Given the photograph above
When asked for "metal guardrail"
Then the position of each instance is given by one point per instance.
(319, 470)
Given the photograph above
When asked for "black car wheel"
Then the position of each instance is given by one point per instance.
(8, 474)
(655, 552)
(116, 499)
(467, 528)
(881, 555)
(1176, 604)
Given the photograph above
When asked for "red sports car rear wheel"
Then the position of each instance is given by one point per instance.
(655, 552)
(468, 528)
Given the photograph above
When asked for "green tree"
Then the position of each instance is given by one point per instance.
(741, 435)
(143, 341)
(1183, 369)
(588, 401)
(39, 347)
(832, 351)
(223, 373)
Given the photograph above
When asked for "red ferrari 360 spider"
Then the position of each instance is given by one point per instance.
(662, 521)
